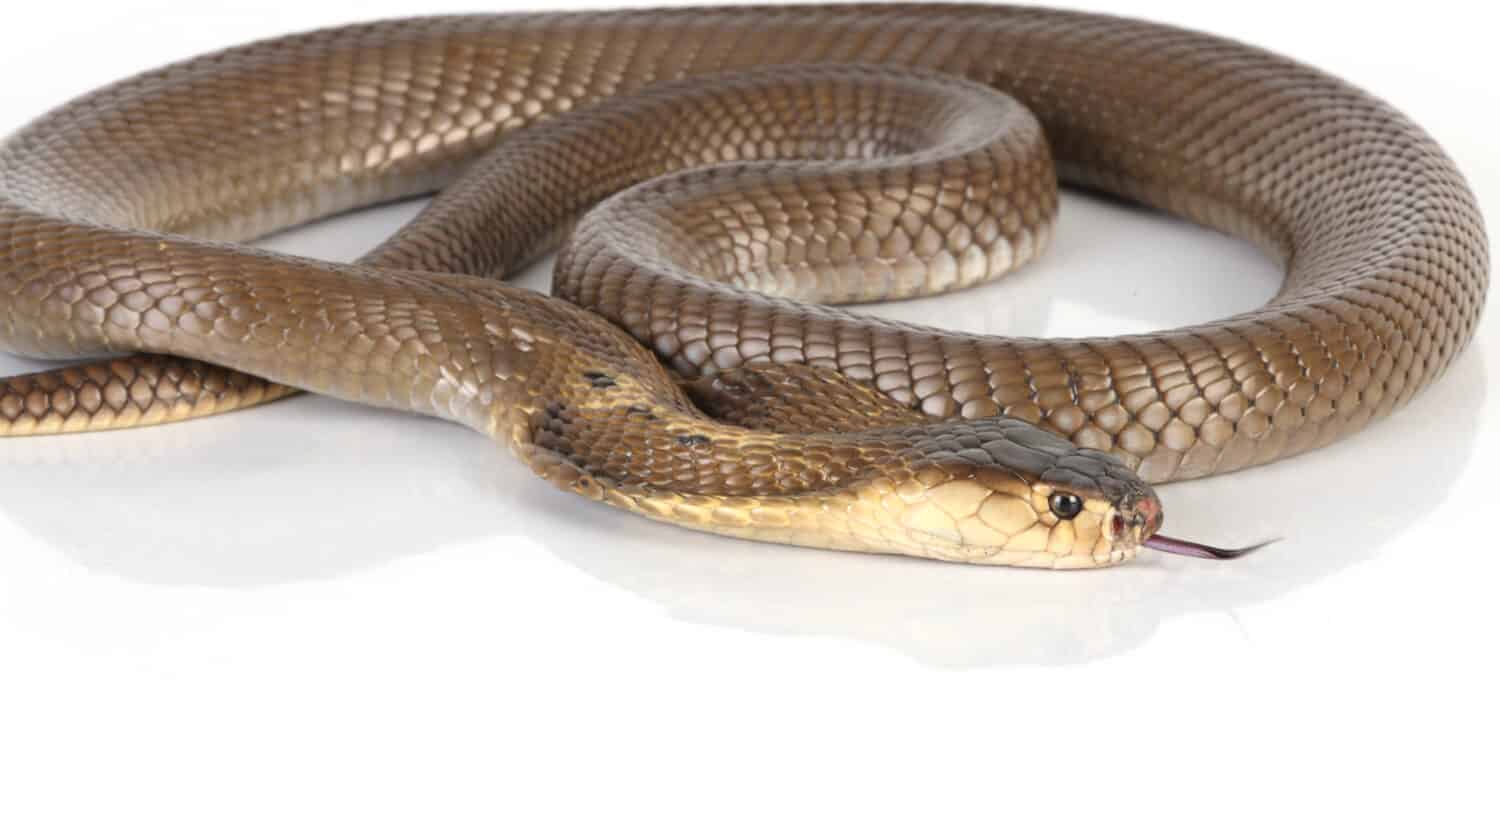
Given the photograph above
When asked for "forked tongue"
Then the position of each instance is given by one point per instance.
(1183, 547)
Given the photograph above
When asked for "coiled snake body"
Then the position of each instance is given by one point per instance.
(778, 420)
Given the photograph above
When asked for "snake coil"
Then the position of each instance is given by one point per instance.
(879, 161)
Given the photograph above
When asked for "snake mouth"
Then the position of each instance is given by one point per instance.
(1135, 519)
(1142, 518)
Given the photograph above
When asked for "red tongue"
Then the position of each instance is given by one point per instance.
(1183, 547)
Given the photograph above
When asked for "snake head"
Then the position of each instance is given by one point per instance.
(1005, 492)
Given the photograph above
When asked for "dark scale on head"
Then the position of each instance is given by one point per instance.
(600, 381)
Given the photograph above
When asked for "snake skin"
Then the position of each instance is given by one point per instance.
(119, 213)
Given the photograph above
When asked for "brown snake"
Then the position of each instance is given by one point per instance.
(779, 420)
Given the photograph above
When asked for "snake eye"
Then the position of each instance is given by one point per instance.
(1065, 505)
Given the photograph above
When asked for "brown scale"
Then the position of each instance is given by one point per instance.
(129, 392)
(918, 183)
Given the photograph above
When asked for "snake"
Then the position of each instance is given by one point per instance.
(718, 183)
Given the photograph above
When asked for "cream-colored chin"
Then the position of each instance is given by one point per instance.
(1097, 558)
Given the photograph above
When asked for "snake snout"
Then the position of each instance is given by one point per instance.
(1136, 519)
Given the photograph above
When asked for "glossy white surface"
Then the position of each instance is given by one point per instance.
(315, 612)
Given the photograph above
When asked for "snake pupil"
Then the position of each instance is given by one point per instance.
(1065, 505)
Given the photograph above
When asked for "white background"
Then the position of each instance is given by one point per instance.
(314, 612)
